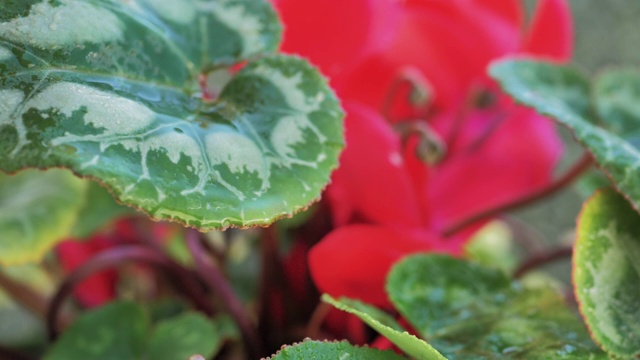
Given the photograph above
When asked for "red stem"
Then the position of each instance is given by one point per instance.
(580, 167)
(541, 259)
(213, 277)
(10, 354)
(109, 259)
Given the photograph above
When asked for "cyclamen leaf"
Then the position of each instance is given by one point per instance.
(471, 312)
(316, 350)
(616, 94)
(388, 327)
(114, 331)
(110, 90)
(607, 272)
(564, 94)
(37, 210)
(119, 330)
(183, 336)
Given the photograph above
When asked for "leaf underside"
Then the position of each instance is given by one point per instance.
(388, 327)
(607, 272)
(109, 89)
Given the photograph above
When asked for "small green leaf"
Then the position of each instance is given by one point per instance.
(115, 331)
(121, 330)
(320, 350)
(493, 246)
(37, 210)
(607, 272)
(471, 312)
(110, 90)
(183, 336)
(564, 94)
(388, 327)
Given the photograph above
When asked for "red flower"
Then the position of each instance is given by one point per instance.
(385, 201)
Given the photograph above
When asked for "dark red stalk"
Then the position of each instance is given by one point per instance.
(213, 277)
(541, 259)
(10, 354)
(578, 169)
(314, 326)
(108, 259)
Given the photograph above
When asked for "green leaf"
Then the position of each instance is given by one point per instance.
(319, 350)
(493, 246)
(616, 94)
(110, 90)
(388, 327)
(115, 331)
(183, 336)
(607, 272)
(467, 311)
(121, 330)
(37, 210)
(564, 94)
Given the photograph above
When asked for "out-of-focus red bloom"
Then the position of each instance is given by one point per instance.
(386, 203)
(100, 287)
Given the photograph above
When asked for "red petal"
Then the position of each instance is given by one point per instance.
(97, 289)
(551, 33)
(354, 260)
(508, 10)
(517, 159)
(373, 181)
(434, 38)
(334, 35)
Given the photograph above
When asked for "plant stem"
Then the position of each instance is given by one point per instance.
(184, 277)
(213, 277)
(541, 259)
(578, 169)
(105, 260)
(23, 295)
(10, 354)
(314, 327)
(418, 84)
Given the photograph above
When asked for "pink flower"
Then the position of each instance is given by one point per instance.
(386, 203)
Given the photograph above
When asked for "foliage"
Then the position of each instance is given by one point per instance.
(136, 137)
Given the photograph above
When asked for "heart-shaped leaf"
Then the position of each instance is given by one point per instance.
(562, 93)
(332, 350)
(120, 331)
(114, 331)
(110, 90)
(468, 311)
(183, 336)
(37, 209)
(388, 327)
(607, 272)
